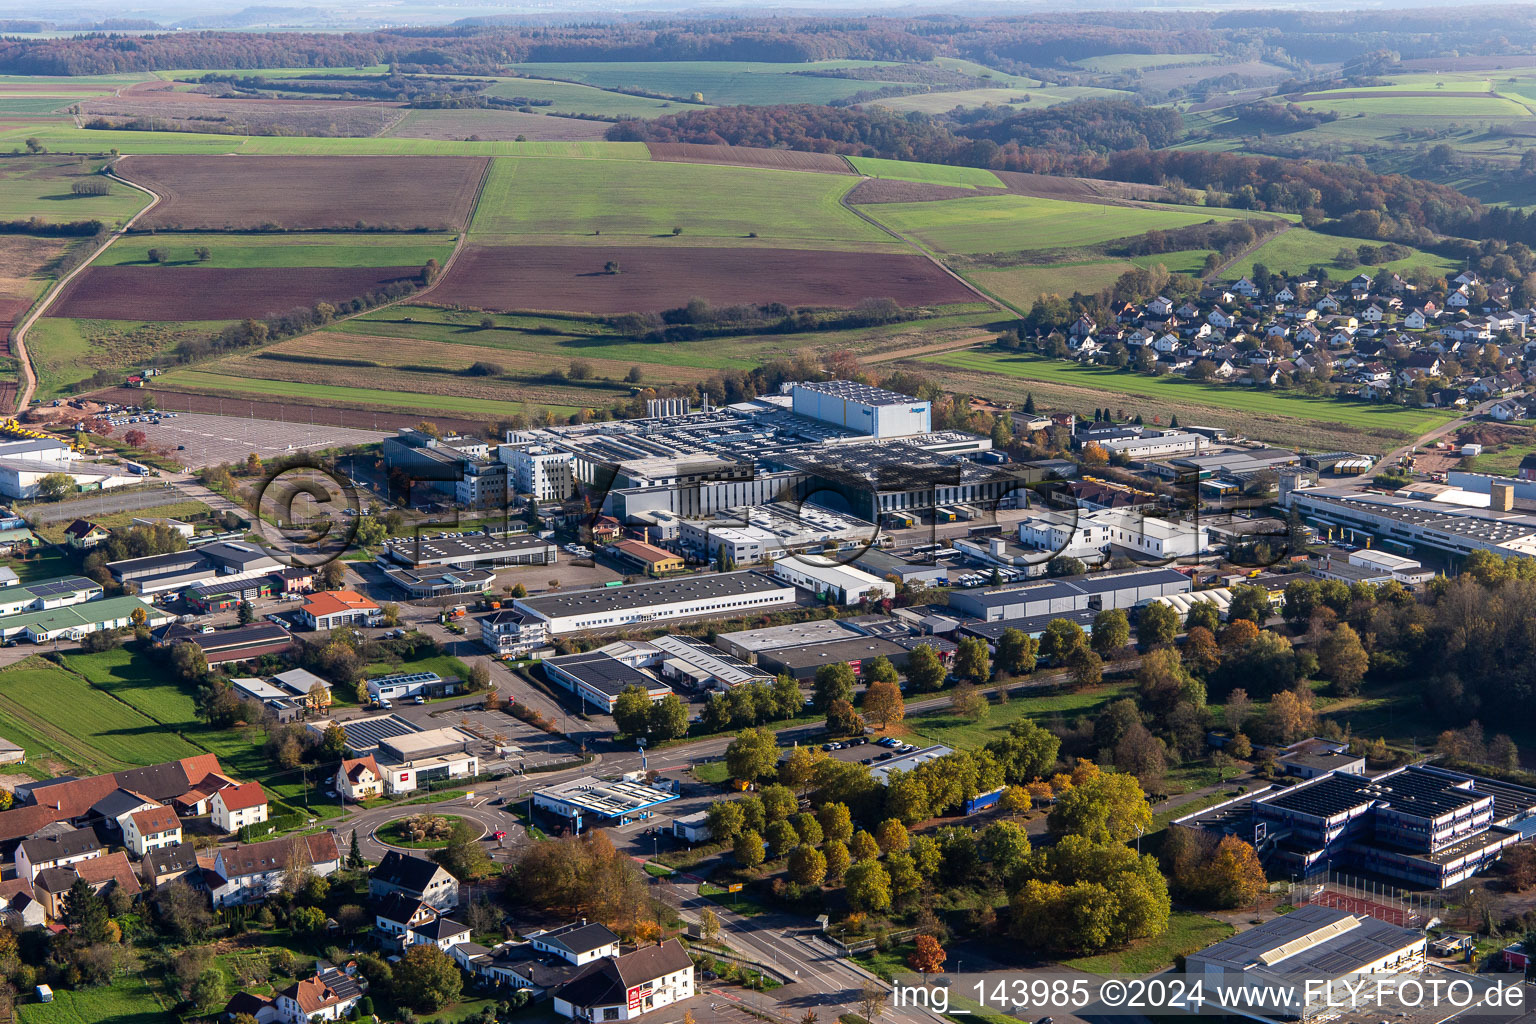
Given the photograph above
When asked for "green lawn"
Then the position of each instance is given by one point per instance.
(964, 734)
(41, 187)
(54, 531)
(128, 1000)
(1295, 250)
(57, 715)
(395, 835)
(1013, 223)
(136, 680)
(1186, 933)
(47, 564)
(607, 202)
(1282, 403)
(721, 82)
(281, 250)
(445, 665)
(937, 174)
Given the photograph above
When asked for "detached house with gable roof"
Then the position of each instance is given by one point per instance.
(329, 995)
(60, 851)
(415, 877)
(151, 829)
(234, 807)
(250, 872)
(359, 778)
(579, 943)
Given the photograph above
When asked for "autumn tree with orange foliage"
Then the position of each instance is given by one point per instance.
(928, 957)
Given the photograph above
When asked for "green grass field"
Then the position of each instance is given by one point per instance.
(1185, 261)
(975, 70)
(328, 394)
(721, 82)
(936, 174)
(137, 681)
(127, 1000)
(1186, 933)
(1396, 418)
(1295, 250)
(1027, 99)
(1018, 223)
(280, 250)
(41, 187)
(57, 716)
(69, 140)
(1020, 286)
(569, 202)
(66, 351)
(1396, 103)
(572, 98)
(965, 734)
(1119, 63)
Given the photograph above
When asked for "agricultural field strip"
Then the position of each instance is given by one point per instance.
(207, 382)
(600, 203)
(262, 250)
(1409, 422)
(1013, 223)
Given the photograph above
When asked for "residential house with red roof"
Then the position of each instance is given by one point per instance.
(234, 807)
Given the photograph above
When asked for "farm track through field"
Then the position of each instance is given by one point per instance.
(990, 299)
(1248, 251)
(283, 409)
(19, 335)
(969, 341)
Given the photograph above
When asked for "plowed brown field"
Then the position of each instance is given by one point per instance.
(573, 279)
(306, 192)
(747, 156)
(158, 293)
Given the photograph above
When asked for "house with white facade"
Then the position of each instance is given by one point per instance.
(151, 829)
(415, 877)
(234, 807)
(250, 872)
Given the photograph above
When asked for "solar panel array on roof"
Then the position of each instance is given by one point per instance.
(364, 734)
(63, 585)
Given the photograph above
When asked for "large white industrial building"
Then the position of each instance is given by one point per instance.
(862, 408)
(843, 584)
(717, 594)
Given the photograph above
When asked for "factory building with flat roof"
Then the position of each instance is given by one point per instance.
(1428, 826)
(1293, 966)
(1095, 591)
(715, 594)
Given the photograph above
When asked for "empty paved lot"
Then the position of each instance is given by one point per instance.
(210, 440)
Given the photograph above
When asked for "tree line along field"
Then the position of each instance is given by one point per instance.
(1282, 417)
